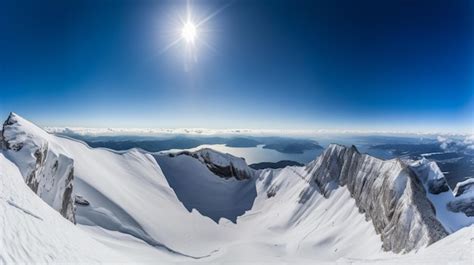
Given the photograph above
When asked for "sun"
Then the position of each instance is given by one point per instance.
(189, 32)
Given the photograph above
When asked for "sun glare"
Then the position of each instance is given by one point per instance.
(189, 32)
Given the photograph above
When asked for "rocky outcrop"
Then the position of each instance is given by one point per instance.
(464, 198)
(437, 186)
(464, 187)
(388, 192)
(79, 200)
(223, 165)
(48, 172)
(462, 204)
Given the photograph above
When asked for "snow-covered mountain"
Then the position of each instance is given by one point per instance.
(44, 167)
(209, 207)
(388, 192)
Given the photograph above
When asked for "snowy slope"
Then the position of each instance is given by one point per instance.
(277, 228)
(128, 193)
(199, 188)
(456, 249)
(32, 232)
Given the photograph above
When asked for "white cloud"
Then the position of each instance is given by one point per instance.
(469, 142)
(460, 144)
(443, 138)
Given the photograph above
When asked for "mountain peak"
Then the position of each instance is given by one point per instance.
(45, 169)
(381, 190)
(16, 129)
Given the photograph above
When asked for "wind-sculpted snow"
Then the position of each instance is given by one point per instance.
(197, 187)
(388, 192)
(45, 169)
(31, 232)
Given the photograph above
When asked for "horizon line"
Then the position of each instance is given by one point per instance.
(233, 131)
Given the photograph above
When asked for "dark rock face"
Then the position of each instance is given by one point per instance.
(47, 172)
(272, 192)
(81, 201)
(464, 198)
(465, 205)
(226, 171)
(388, 192)
(437, 186)
(462, 187)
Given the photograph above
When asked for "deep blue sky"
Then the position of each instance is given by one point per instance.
(392, 65)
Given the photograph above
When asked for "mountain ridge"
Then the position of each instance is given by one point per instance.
(381, 190)
(46, 170)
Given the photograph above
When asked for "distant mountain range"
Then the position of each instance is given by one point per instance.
(275, 165)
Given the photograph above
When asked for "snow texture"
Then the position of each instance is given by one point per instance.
(33, 233)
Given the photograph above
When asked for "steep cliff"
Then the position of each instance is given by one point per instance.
(388, 192)
(45, 169)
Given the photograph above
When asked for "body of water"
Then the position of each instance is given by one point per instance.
(258, 154)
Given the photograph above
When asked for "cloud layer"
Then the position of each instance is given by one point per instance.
(462, 144)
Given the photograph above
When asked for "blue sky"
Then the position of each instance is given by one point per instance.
(371, 65)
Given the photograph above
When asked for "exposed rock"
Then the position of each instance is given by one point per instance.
(464, 187)
(306, 193)
(388, 192)
(47, 172)
(81, 201)
(223, 165)
(272, 191)
(464, 198)
(437, 186)
(462, 204)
